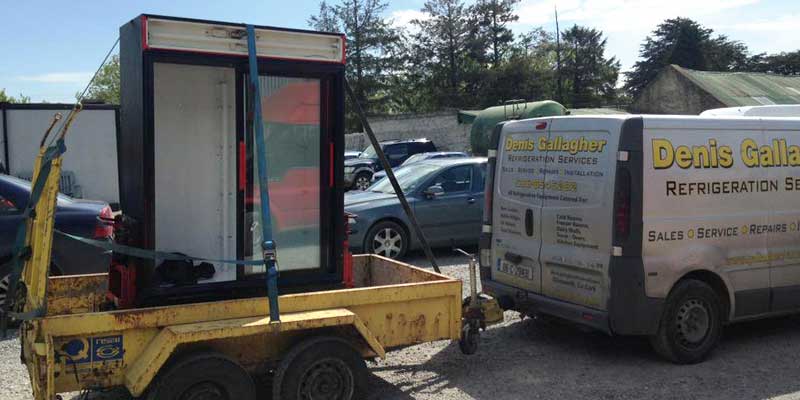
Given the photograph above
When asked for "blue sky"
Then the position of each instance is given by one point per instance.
(50, 49)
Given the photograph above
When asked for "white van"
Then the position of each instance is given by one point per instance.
(787, 110)
(666, 226)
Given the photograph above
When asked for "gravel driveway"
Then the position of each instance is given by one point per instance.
(529, 359)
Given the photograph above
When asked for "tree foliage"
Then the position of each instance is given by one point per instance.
(4, 98)
(590, 77)
(684, 42)
(105, 86)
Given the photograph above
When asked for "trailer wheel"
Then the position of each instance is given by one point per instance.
(203, 376)
(321, 368)
(691, 324)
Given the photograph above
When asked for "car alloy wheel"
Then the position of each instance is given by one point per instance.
(387, 242)
(363, 181)
(4, 292)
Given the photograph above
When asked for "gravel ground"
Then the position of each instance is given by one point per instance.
(534, 360)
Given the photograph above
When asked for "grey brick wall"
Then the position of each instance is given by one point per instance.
(441, 127)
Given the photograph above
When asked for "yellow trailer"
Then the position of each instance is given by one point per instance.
(211, 350)
(172, 351)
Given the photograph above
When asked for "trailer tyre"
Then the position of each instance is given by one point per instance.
(203, 376)
(691, 323)
(321, 368)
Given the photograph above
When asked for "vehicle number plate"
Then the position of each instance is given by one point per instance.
(519, 271)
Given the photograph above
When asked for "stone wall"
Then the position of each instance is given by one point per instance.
(440, 127)
(673, 93)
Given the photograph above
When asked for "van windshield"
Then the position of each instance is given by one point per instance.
(409, 179)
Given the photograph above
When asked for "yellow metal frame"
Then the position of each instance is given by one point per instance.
(393, 305)
(77, 346)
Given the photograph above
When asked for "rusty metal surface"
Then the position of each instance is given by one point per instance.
(76, 294)
(394, 305)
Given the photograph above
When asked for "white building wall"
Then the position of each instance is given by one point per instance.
(91, 148)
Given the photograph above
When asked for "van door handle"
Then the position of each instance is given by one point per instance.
(513, 258)
(471, 200)
(529, 222)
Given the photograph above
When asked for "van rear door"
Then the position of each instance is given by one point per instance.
(517, 204)
(576, 217)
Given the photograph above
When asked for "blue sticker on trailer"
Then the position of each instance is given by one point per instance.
(94, 349)
(107, 348)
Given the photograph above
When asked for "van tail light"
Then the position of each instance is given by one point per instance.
(104, 227)
(485, 239)
(622, 204)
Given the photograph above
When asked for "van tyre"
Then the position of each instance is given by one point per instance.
(388, 239)
(321, 368)
(206, 376)
(691, 323)
(363, 181)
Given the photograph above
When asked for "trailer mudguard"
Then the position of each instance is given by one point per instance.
(142, 372)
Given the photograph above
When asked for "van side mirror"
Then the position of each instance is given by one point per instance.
(433, 191)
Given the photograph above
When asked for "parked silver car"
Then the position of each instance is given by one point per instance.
(447, 198)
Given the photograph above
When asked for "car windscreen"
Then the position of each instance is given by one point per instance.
(415, 158)
(369, 152)
(409, 179)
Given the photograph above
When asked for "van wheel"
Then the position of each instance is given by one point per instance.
(387, 239)
(203, 376)
(321, 368)
(691, 324)
(363, 181)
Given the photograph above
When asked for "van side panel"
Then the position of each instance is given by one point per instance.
(705, 208)
(783, 139)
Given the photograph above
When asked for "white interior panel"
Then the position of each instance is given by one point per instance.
(195, 162)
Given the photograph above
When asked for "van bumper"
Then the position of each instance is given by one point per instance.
(638, 316)
(529, 302)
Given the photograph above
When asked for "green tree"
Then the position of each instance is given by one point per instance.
(440, 46)
(489, 29)
(527, 71)
(4, 98)
(371, 44)
(684, 42)
(590, 77)
(105, 86)
(786, 63)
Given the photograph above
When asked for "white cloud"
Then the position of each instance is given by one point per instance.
(58, 77)
(403, 18)
(786, 23)
(620, 15)
(624, 22)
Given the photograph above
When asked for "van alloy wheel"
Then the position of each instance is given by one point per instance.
(387, 242)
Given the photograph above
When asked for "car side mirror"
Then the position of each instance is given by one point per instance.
(433, 191)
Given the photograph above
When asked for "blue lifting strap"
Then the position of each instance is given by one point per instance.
(268, 245)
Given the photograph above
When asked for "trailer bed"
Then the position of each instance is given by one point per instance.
(77, 346)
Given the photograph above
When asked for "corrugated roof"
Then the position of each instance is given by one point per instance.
(746, 88)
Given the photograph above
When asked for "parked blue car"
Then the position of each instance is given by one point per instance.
(422, 157)
(447, 198)
(86, 218)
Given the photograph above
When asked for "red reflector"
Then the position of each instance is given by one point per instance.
(541, 125)
(104, 228)
(588, 317)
